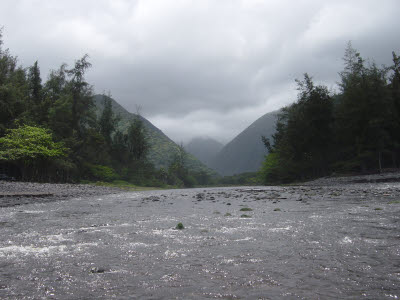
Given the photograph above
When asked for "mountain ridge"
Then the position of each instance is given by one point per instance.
(246, 152)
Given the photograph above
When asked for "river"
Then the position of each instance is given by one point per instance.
(324, 242)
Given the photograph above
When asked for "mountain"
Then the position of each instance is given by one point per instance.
(204, 148)
(162, 148)
(246, 152)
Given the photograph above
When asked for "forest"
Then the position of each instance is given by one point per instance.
(353, 130)
(49, 132)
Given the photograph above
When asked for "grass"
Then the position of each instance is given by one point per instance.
(246, 209)
(245, 216)
(277, 209)
(377, 208)
(124, 185)
(228, 215)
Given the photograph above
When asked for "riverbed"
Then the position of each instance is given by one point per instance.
(298, 242)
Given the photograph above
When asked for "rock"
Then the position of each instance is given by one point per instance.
(97, 270)
(200, 196)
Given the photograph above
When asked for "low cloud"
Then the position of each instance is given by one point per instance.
(201, 67)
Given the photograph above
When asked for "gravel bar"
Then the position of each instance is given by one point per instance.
(14, 193)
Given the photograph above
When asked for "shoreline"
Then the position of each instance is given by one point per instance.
(15, 193)
(354, 179)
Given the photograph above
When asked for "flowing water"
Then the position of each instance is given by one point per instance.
(338, 242)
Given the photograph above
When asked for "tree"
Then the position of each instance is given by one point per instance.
(55, 86)
(37, 109)
(13, 89)
(394, 87)
(178, 172)
(108, 121)
(82, 95)
(35, 84)
(138, 146)
(364, 114)
(302, 142)
(30, 148)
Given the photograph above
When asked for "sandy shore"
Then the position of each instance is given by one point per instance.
(13, 193)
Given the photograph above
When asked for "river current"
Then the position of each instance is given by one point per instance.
(338, 242)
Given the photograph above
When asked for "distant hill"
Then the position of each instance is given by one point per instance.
(204, 148)
(246, 152)
(162, 147)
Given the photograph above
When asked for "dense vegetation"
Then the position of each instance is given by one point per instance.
(50, 132)
(162, 150)
(354, 130)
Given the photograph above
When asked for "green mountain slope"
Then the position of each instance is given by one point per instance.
(162, 148)
(246, 152)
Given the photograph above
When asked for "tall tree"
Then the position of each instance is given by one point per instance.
(35, 84)
(82, 95)
(108, 121)
(137, 143)
(13, 89)
(394, 86)
(37, 109)
(302, 143)
(363, 114)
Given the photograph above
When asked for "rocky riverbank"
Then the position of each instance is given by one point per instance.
(372, 178)
(13, 193)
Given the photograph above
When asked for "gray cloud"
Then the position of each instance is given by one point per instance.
(200, 67)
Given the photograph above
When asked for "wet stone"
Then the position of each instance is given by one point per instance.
(97, 270)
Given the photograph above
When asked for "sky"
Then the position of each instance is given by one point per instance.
(201, 67)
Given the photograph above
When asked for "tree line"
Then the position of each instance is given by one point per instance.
(49, 131)
(356, 129)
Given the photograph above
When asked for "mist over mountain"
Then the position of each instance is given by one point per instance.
(204, 148)
(246, 152)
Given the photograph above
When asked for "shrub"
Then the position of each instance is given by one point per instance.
(180, 226)
(246, 209)
(102, 173)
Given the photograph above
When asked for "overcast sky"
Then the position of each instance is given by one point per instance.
(204, 67)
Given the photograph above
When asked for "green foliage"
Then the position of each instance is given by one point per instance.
(13, 90)
(365, 114)
(270, 168)
(28, 143)
(178, 172)
(108, 121)
(249, 178)
(137, 143)
(33, 151)
(82, 146)
(102, 173)
(162, 150)
(180, 226)
(121, 184)
(246, 209)
(356, 130)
